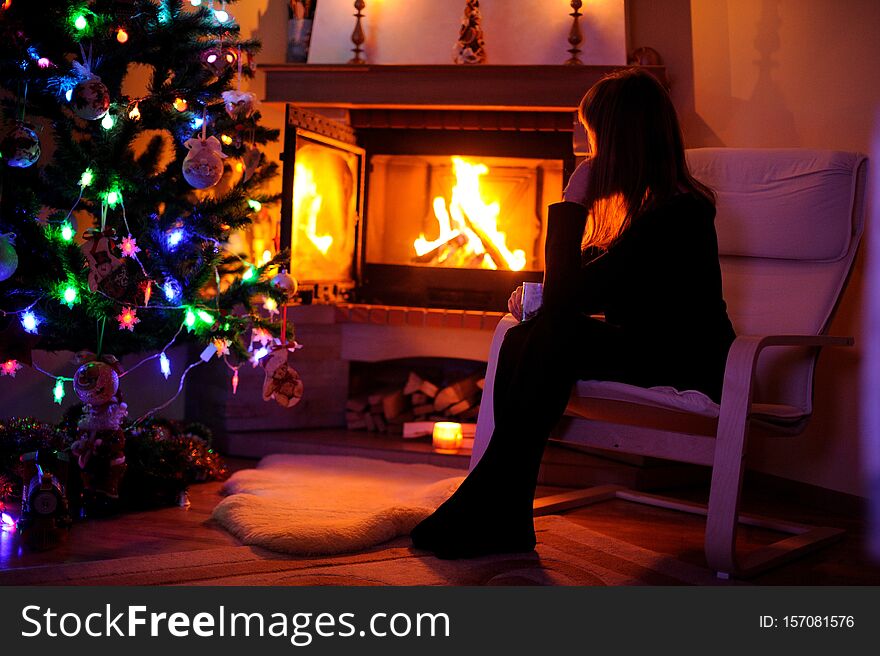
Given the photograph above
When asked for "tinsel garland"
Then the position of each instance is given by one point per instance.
(163, 456)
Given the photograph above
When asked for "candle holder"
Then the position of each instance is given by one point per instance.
(575, 36)
(447, 437)
(357, 37)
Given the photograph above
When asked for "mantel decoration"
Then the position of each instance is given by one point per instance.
(301, 16)
(470, 48)
(357, 36)
(575, 36)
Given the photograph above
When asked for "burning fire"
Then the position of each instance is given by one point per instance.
(469, 234)
(307, 203)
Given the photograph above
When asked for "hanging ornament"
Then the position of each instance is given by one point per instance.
(234, 380)
(106, 271)
(239, 104)
(285, 282)
(219, 60)
(251, 160)
(21, 147)
(90, 99)
(470, 48)
(8, 256)
(96, 382)
(282, 381)
(203, 166)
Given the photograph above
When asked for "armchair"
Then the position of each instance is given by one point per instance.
(789, 222)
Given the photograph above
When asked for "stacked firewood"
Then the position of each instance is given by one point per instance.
(419, 400)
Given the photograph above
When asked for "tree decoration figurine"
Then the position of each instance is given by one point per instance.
(470, 48)
(283, 382)
(100, 445)
(114, 251)
(107, 271)
(575, 36)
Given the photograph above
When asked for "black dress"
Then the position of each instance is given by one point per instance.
(666, 323)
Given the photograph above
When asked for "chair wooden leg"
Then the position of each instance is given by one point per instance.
(727, 473)
(574, 499)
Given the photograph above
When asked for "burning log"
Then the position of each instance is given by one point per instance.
(491, 250)
(436, 253)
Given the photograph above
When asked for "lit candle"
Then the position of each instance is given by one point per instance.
(447, 437)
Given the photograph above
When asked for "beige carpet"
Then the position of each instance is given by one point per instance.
(567, 554)
(324, 505)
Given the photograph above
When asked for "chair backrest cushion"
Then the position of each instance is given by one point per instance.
(788, 204)
(789, 222)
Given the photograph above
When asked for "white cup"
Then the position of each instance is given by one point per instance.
(532, 298)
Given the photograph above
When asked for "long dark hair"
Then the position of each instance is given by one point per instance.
(639, 152)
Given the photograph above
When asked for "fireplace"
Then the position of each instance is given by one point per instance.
(432, 188)
(422, 208)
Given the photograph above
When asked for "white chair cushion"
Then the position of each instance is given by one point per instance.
(669, 398)
(790, 204)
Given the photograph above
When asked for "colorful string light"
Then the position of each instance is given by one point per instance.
(30, 321)
(58, 391)
(128, 247)
(69, 295)
(164, 365)
(128, 319)
(9, 368)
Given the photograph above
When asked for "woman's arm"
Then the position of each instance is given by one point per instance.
(562, 255)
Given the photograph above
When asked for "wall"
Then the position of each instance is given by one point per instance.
(783, 73)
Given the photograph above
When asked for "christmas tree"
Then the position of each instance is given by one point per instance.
(116, 206)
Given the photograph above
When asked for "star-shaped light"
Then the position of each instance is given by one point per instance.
(222, 346)
(127, 319)
(129, 246)
(9, 367)
(30, 321)
(271, 305)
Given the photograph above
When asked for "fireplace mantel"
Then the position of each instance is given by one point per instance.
(479, 87)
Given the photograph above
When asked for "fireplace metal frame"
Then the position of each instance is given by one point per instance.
(302, 124)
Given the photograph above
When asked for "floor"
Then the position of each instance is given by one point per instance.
(172, 530)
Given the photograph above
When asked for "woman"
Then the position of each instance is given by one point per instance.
(634, 239)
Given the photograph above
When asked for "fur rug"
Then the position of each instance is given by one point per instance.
(324, 505)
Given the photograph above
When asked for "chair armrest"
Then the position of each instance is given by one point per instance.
(742, 361)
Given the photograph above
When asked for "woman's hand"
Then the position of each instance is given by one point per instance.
(578, 184)
(514, 303)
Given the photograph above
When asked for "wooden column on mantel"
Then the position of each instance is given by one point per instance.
(478, 87)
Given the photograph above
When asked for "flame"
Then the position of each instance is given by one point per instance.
(467, 208)
(307, 203)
